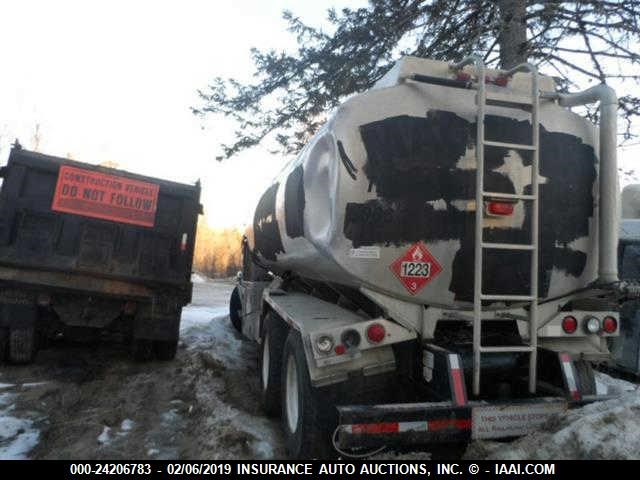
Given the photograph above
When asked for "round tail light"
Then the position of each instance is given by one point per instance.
(376, 333)
(324, 343)
(592, 325)
(569, 324)
(351, 338)
(609, 324)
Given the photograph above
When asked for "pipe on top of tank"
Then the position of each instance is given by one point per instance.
(609, 199)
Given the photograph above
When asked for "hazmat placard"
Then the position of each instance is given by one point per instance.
(416, 267)
(109, 197)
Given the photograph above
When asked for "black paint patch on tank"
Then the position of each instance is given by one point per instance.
(346, 161)
(294, 203)
(410, 154)
(412, 161)
(265, 226)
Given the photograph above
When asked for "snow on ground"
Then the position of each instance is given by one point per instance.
(198, 278)
(606, 385)
(17, 435)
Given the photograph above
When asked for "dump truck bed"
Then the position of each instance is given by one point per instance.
(62, 216)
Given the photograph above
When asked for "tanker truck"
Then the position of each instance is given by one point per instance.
(438, 264)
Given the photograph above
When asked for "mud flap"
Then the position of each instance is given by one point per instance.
(578, 381)
(159, 320)
(443, 374)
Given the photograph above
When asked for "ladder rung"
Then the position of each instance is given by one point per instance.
(515, 146)
(507, 246)
(510, 196)
(523, 348)
(508, 298)
(508, 97)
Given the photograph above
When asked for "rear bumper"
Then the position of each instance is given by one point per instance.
(429, 423)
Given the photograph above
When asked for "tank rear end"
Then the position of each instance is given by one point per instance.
(384, 196)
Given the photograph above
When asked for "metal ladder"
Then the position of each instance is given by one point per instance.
(481, 245)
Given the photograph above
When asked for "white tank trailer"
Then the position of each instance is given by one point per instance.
(383, 259)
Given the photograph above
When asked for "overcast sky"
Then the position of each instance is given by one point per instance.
(114, 80)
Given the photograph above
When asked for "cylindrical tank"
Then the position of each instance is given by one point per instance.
(383, 196)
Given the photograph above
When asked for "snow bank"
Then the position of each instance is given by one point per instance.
(198, 278)
(17, 435)
(602, 430)
(105, 437)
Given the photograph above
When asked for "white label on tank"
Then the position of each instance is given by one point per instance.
(365, 252)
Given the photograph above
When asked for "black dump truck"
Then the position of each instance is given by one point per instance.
(87, 250)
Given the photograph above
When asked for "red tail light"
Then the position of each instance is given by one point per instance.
(569, 324)
(501, 80)
(609, 324)
(376, 333)
(500, 208)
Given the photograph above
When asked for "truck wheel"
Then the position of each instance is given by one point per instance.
(304, 417)
(165, 349)
(22, 345)
(270, 364)
(142, 349)
(586, 379)
(4, 344)
(235, 310)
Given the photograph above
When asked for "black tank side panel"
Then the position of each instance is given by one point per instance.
(265, 225)
(412, 161)
(294, 203)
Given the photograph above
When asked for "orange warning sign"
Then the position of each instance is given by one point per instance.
(98, 195)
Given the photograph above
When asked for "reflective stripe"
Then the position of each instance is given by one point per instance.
(567, 369)
(399, 427)
(450, 423)
(360, 428)
(453, 361)
(459, 394)
(413, 426)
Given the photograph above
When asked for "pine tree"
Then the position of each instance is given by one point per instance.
(580, 43)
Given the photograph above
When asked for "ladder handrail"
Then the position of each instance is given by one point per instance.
(477, 274)
(479, 217)
(535, 211)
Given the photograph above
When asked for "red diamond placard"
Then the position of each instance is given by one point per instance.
(416, 268)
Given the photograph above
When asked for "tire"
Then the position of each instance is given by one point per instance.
(22, 345)
(305, 417)
(274, 334)
(4, 344)
(235, 310)
(142, 349)
(586, 379)
(165, 349)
